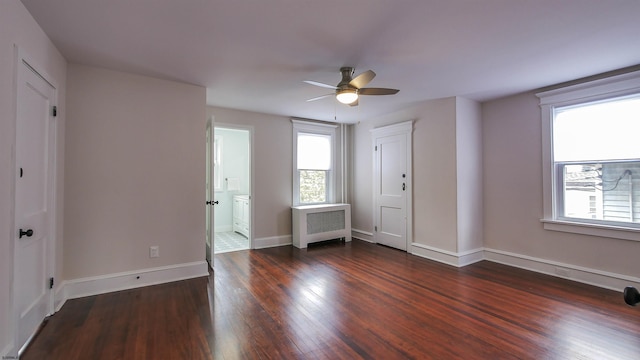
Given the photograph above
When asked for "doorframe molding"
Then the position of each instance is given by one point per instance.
(402, 128)
(21, 57)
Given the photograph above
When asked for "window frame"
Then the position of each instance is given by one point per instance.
(315, 128)
(588, 92)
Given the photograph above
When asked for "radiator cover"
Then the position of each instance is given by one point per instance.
(313, 223)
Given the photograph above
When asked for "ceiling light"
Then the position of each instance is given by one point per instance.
(347, 96)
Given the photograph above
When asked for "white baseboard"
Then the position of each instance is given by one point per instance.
(59, 296)
(362, 235)
(459, 259)
(133, 279)
(7, 352)
(273, 241)
(603, 279)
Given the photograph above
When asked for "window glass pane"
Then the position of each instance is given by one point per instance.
(313, 186)
(608, 191)
(314, 152)
(599, 131)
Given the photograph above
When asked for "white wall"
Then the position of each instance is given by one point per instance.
(135, 172)
(512, 163)
(17, 27)
(434, 172)
(469, 174)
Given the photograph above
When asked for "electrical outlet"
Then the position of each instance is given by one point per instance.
(154, 251)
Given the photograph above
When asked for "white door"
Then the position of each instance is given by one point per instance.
(210, 193)
(392, 187)
(34, 228)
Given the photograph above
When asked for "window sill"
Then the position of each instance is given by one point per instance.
(615, 232)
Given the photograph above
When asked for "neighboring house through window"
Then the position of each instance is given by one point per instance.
(313, 162)
(591, 157)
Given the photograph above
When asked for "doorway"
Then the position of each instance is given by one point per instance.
(34, 226)
(392, 185)
(229, 188)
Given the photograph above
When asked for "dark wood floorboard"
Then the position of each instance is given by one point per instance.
(346, 301)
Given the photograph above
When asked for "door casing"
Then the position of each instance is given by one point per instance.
(404, 129)
(24, 63)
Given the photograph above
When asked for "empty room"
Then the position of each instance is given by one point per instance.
(209, 179)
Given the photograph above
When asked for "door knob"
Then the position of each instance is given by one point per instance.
(27, 233)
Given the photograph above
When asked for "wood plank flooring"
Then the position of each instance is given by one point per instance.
(347, 301)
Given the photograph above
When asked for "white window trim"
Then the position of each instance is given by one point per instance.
(602, 89)
(320, 129)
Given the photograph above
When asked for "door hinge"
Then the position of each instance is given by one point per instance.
(50, 283)
(21, 172)
(54, 112)
(375, 228)
(376, 149)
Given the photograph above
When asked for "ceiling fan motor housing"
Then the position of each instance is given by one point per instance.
(347, 74)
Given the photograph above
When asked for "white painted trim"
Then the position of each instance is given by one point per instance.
(273, 241)
(59, 296)
(614, 232)
(8, 350)
(404, 128)
(310, 125)
(362, 235)
(324, 129)
(393, 129)
(613, 86)
(133, 279)
(457, 259)
(603, 279)
(586, 92)
(22, 57)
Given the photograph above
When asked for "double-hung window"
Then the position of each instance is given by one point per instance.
(313, 163)
(591, 157)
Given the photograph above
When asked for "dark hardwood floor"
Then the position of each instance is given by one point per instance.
(347, 301)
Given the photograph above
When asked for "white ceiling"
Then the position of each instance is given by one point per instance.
(254, 54)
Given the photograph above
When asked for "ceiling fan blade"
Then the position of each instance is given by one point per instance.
(377, 91)
(320, 84)
(362, 79)
(321, 97)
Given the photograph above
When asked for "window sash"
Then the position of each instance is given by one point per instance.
(308, 195)
(614, 186)
(592, 131)
(600, 90)
(321, 131)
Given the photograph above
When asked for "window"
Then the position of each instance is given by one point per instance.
(313, 163)
(591, 157)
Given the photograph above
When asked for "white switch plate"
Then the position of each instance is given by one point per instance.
(154, 251)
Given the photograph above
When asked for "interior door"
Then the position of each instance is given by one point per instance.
(210, 194)
(35, 129)
(390, 186)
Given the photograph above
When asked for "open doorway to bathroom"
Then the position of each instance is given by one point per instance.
(228, 188)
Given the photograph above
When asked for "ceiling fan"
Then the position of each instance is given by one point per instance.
(349, 89)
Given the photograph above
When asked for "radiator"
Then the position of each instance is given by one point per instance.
(313, 223)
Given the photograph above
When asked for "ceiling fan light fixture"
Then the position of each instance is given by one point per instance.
(347, 96)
